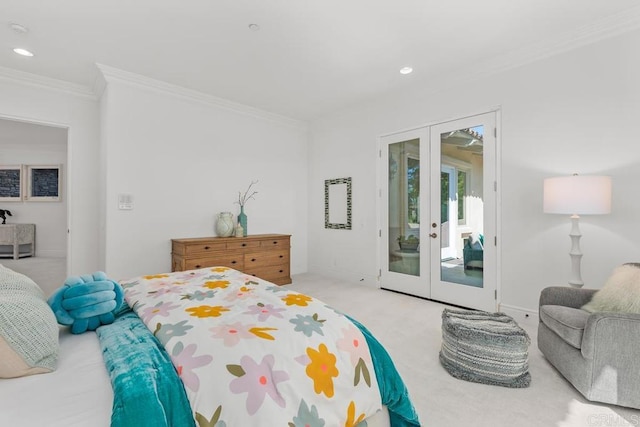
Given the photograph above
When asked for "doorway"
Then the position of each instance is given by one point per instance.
(438, 212)
(28, 145)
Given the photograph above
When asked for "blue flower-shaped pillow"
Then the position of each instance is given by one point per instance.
(86, 302)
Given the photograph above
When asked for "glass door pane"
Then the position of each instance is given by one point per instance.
(461, 226)
(404, 207)
(448, 212)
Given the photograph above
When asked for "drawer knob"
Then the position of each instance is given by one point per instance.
(281, 256)
(206, 248)
(281, 271)
(233, 262)
(275, 243)
(198, 266)
(253, 259)
(244, 244)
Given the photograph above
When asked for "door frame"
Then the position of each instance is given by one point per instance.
(65, 186)
(382, 202)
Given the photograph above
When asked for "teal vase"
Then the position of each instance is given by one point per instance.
(242, 219)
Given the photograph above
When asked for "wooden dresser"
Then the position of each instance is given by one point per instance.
(266, 256)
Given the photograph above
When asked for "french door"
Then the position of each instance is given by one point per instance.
(405, 258)
(438, 216)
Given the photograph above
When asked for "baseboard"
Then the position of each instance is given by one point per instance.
(347, 276)
(521, 315)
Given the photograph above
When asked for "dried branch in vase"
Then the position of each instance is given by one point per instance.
(244, 198)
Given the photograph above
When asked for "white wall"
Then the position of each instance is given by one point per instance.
(184, 160)
(30, 98)
(31, 144)
(574, 112)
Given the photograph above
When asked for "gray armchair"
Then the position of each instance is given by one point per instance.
(598, 353)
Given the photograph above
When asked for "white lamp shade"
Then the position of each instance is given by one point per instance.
(577, 195)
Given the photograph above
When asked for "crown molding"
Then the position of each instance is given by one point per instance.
(39, 81)
(114, 74)
(100, 83)
(605, 28)
(602, 29)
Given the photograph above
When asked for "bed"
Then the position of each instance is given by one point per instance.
(214, 347)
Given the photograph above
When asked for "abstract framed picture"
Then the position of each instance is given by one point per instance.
(11, 183)
(43, 183)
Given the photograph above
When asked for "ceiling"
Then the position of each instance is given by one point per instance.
(309, 57)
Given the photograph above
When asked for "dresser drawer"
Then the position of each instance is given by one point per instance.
(278, 274)
(266, 258)
(204, 248)
(243, 244)
(276, 242)
(233, 261)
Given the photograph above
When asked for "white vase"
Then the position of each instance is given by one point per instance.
(224, 224)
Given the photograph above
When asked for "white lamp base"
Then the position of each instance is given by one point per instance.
(576, 256)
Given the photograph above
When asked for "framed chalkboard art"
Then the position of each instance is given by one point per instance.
(11, 183)
(43, 183)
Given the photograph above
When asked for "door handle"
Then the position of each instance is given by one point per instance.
(433, 235)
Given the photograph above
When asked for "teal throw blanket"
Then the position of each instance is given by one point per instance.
(392, 389)
(146, 387)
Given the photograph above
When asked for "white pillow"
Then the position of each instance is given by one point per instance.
(28, 327)
(621, 293)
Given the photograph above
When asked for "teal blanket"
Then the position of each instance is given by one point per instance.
(153, 395)
(392, 389)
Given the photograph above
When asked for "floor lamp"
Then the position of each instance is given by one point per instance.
(577, 195)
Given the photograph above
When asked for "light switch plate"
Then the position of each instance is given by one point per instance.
(125, 202)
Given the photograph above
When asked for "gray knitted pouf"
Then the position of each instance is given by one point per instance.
(488, 348)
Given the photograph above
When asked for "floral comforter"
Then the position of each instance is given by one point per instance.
(249, 351)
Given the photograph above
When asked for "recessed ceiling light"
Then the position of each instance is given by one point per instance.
(23, 52)
(406, 70)
(254, 27)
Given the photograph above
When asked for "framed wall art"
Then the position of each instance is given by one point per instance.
(11, 183)
(337, 203)
(43, 183)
